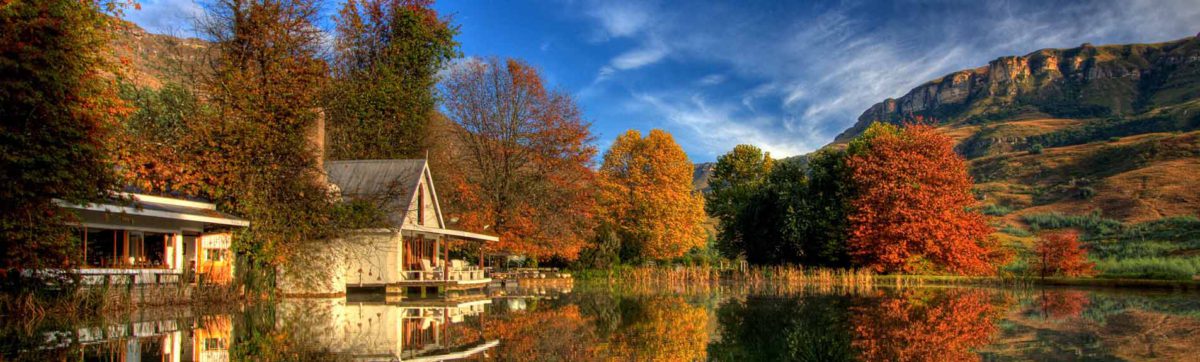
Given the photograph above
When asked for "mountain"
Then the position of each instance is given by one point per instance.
(150, 60)
(1077, 83)
(1109, 129)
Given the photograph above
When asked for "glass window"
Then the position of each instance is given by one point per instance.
(103, 247)
(214, 254)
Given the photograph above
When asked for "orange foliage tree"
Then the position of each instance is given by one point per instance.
(910, 209)
(520, 164)
(58, 106)
(646, 193)
(944, 327)
(1060, 253)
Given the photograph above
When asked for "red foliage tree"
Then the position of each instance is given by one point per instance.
(910, 210)
(1061, 254)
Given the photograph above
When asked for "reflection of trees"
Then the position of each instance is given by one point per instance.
(1061, 304)
(560, 334)
(915, 327)
(602, 326)
(666, 329)
(809, 328)
(260, 336)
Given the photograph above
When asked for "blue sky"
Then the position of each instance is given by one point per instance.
(786, 76)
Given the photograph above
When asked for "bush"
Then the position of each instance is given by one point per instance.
(1092, 224)
(1036, 149)
(995, 210)
(1015, 231)
(1150, 268)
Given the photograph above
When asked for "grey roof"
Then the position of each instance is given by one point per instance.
(369, 179)
(144, 205)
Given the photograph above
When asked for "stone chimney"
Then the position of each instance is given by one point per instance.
(316, 136)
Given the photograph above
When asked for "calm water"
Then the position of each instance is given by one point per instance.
(605, 323)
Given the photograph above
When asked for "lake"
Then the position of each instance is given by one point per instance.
(614, 322)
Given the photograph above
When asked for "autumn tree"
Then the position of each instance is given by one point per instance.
(58, 105)
(1059, 253)
(736, 177)
(911, 202)
(521, 160)
(258, 161)
(155, 141)
(387, 55)
(646, 193)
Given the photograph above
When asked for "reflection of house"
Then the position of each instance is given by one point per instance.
(151, 340)
(379, 331)
(414, 253)
(211, 337)
(155, 239)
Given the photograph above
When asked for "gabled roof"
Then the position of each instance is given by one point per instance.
(377, 178)
(392, 180)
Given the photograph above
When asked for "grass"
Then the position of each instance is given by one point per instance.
(995, 210)
(1156, 249)
(1150, 268)
(1091, 224)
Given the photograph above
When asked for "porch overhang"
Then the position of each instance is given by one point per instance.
(163, 208)
(456, 234)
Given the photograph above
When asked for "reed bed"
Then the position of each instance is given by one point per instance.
(790, 278)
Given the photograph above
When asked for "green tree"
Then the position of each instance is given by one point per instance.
(736, 177)
(57, 110)
(829, 193)
(258, 158)
(388, 54)
(797, 214)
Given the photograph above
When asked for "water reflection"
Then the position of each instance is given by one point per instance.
(590, 323)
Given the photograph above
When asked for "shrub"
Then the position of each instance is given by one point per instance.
(1015, 231)
(1092, 224)
(1059, 253)
(1036, 149)
(1150, 268)
(995, 210)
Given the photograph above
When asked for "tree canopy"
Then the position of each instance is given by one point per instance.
(520, 164)
(646, 193)
(382, 98)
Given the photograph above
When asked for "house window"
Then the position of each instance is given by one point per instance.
(102, 247)
(147, 250)
(214, 344)
(107, 248)
(214, 254)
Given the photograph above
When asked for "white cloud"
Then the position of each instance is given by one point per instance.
(620, 19)
(711, 79)
(718, 126)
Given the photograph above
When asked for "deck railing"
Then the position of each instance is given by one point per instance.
(465, 274)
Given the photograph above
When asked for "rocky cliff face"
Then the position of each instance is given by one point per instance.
(1087, 81)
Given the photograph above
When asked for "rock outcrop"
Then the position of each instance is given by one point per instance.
(1087, 81)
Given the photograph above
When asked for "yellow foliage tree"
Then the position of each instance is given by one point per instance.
(646, 193)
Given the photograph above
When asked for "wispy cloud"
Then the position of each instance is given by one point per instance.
(712, 124)
(619, 19)
(795, 76)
